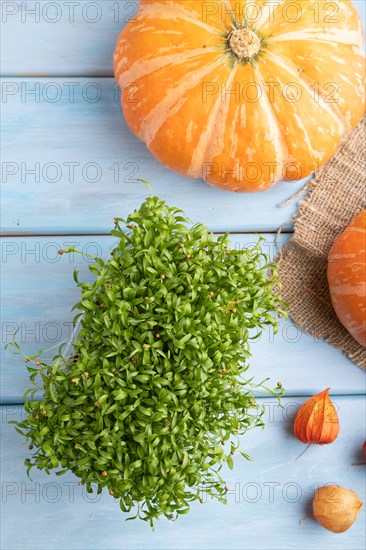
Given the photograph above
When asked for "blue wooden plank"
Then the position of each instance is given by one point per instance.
(66, 38)
(62, 38)
(266, 500)
(39, 291)
(71, 166)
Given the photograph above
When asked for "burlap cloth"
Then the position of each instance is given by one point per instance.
(334, 196)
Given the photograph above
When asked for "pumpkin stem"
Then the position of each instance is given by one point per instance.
(244, 43)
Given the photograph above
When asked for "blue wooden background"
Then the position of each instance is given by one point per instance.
(69, 166)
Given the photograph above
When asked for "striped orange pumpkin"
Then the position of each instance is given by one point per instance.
(347, 277)
(242, 93)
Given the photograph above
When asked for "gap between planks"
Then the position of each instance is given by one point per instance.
(19, 403)
(80, 234)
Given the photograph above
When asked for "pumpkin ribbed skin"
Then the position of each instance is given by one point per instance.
(347, 277)
(242, 123)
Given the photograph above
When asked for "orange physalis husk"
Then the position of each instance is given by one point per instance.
(317, 420)
(336, 508)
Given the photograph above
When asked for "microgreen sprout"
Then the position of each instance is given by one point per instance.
(153, 399)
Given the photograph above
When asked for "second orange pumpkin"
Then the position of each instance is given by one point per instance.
(347, 277)
(242, 93)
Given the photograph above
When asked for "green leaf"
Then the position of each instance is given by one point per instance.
(183, 511)
(54, 461)
(140, 438)
(52, 393)
(47, 448)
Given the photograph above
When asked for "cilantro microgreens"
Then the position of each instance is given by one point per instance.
(152, 401)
